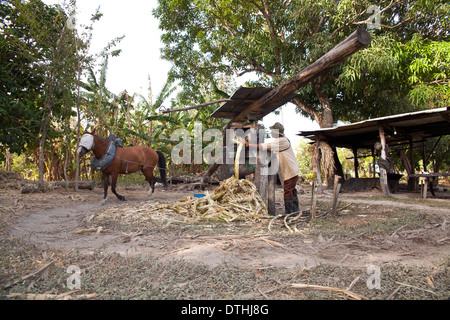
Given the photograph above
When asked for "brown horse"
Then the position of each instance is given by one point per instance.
(126, 160)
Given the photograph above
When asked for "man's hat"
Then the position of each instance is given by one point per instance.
(277, 126)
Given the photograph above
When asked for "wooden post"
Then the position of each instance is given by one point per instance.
(313, 200)
(260, 180)
(355, 161)
(318, 170)
(425, 187)
(424, 161)
(271, 184)
(265, 184)
(412, 182)
(373, 161)
(383, 172)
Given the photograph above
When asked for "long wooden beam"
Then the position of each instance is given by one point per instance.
(353, 43)
(196, 106)
(206, 104)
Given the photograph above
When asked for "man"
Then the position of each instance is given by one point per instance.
(287, 162)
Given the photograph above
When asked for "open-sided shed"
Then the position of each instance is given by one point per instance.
(402, 129)
(399, 129)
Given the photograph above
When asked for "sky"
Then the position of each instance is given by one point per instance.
(140, 56)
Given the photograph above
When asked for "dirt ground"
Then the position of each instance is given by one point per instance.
(407, 240)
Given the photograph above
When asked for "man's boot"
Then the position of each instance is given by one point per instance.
(291, 205)
(295, 204)
(288, 205)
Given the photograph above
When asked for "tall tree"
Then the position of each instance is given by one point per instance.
(48, 47)
(274, 40)
(20, 85)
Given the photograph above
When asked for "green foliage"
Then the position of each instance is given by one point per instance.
(273, 40)
(426, 67)
(304, 155)
(46, 72)
(20, 84)
(24, 165)
(38, 67)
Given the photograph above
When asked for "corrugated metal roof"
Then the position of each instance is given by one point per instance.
(399, 129)
(243, 98)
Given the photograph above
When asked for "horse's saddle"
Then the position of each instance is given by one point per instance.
(106, 159)
(118, 142)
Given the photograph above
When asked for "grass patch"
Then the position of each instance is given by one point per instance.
(361, 219)
(435, 203)
(146, 278)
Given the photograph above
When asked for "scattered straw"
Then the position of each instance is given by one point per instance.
(234, 200)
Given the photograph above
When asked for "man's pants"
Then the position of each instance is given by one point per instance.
(289, 187)
(290, 195)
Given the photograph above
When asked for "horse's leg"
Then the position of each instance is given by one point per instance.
(152, 186)
(148, 173)
(105, 187)
(113, 187)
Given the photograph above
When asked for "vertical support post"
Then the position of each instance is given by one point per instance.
(317, 166)
(261, 180)
(271, 184)
(425, 187)
(373, 162)
(383, 172)
(336, 190)
(313, 200)
(265, 184)
(225, 167)
(424, 157)
(411, 154)
(412, 182)
(355, 161)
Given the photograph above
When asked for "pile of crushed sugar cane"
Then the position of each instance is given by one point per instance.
(233, 200)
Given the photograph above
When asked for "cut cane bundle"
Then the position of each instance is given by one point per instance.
(233, 200)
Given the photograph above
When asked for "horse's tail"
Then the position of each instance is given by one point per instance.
(162, 167)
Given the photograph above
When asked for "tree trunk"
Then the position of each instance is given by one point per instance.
(43, 138)
(8, 161)
(326, 117)
(383, 172)
(316, 159)
(77, 157)
(41, 155)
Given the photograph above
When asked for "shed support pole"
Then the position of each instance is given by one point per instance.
(271, 184)
(355, 161)
(412, 182)
(265, 184)
(317, 167)
(373, 162)
(260, 180)
(383, 172)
